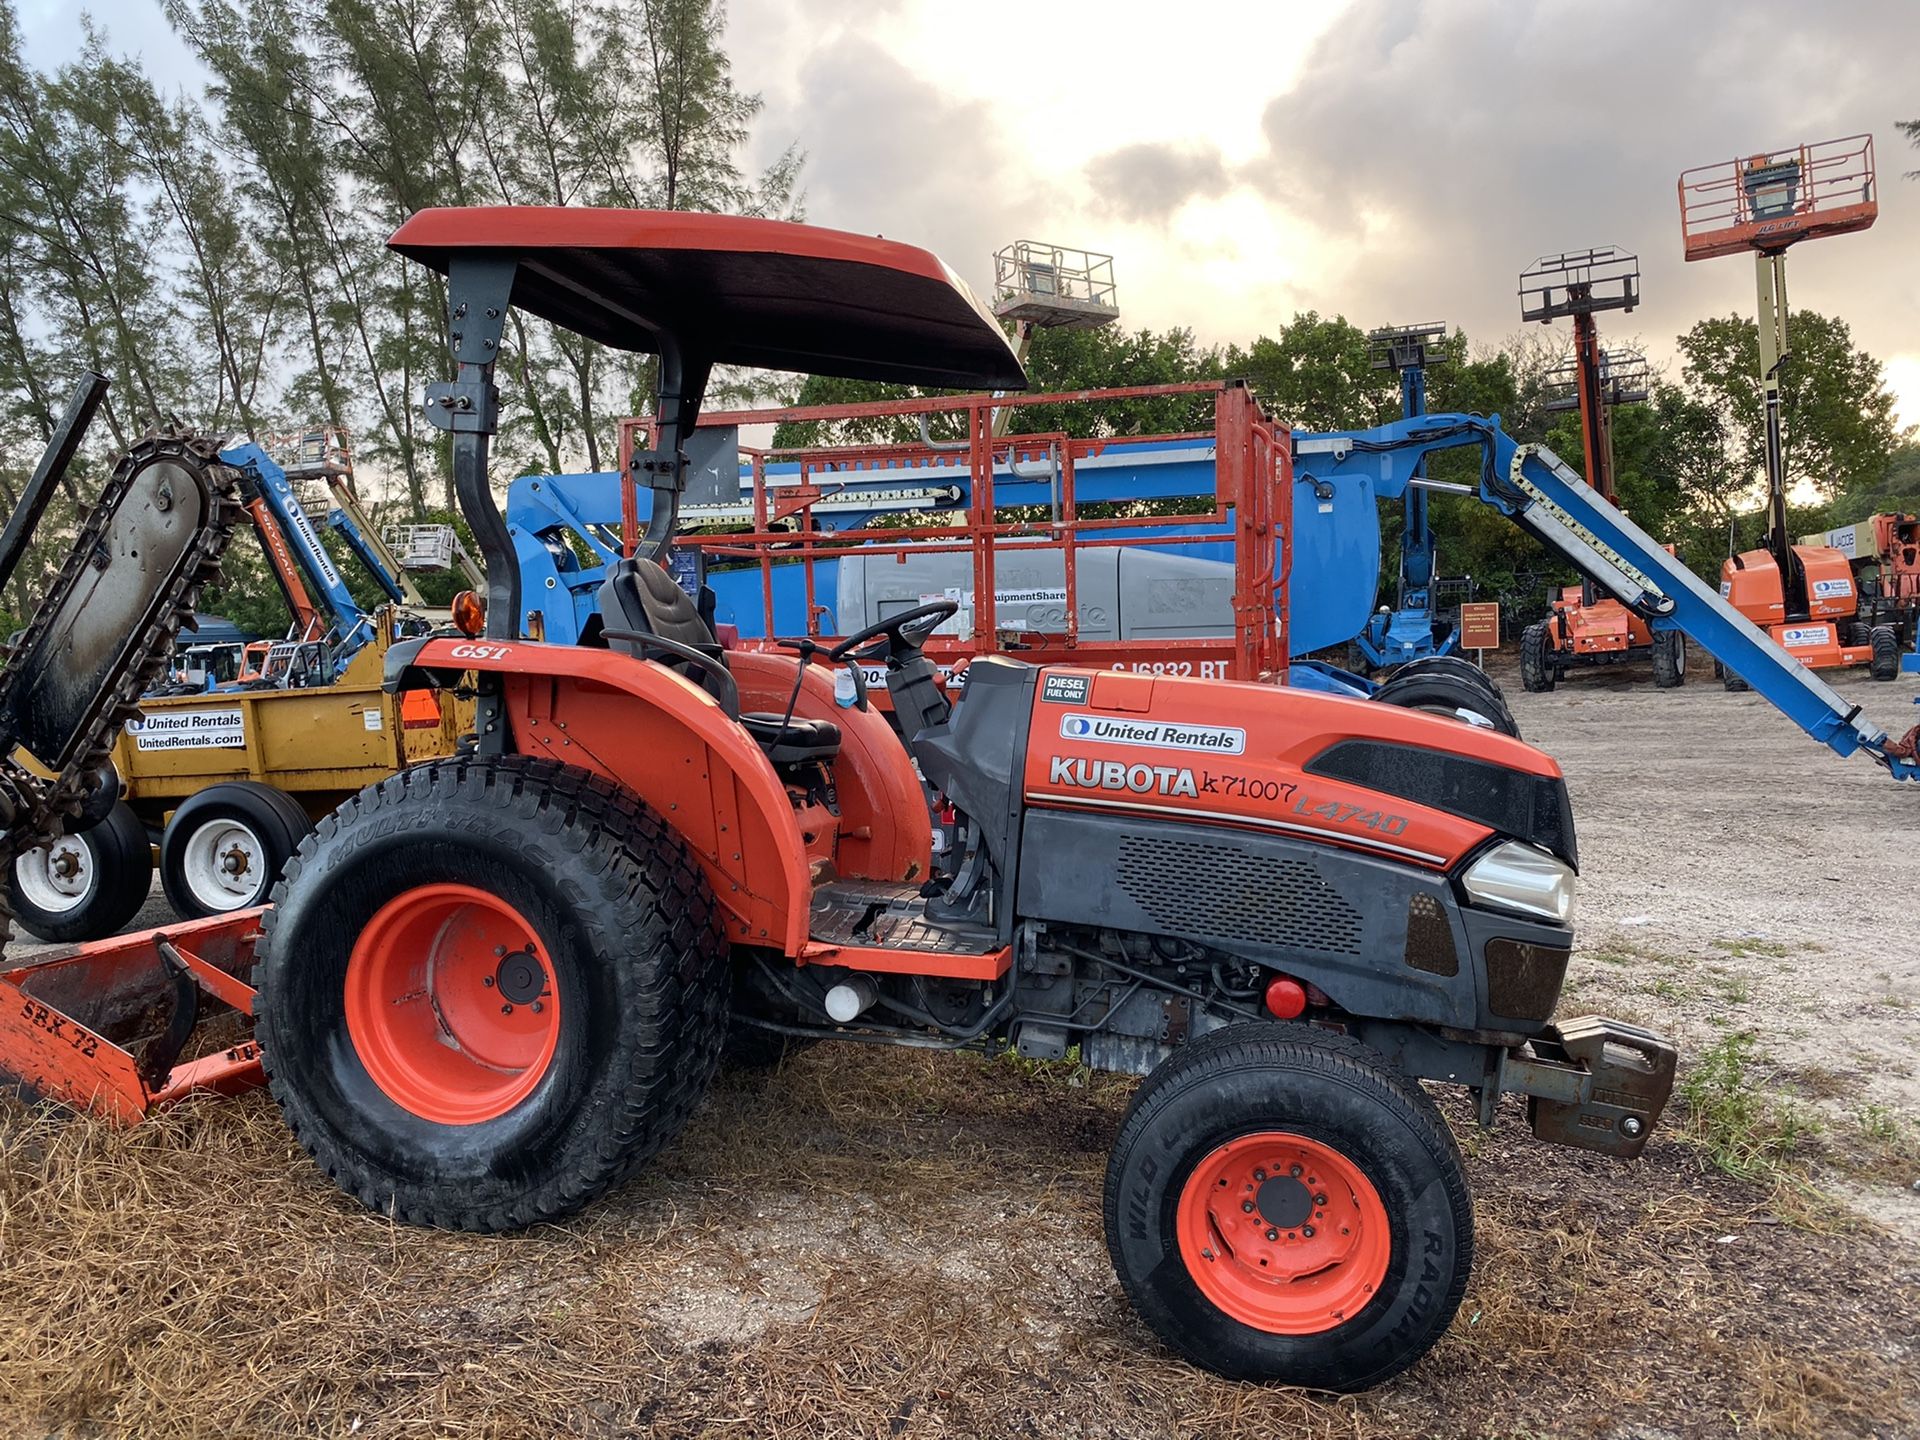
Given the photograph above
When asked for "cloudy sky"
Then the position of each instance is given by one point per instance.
(1389, 160)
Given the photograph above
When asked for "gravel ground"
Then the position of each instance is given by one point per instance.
(1718, 845)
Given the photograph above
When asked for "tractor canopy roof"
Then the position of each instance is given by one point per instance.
(733, 290)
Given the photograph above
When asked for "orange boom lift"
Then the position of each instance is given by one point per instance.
(1804, 596)
(1587, 626)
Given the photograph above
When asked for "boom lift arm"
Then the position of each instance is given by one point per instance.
(1531, 486)
(268, 488)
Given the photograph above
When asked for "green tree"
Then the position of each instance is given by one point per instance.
(1836, 412)
(1316, 375)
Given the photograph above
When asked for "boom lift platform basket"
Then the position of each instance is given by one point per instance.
(1777, 198)
(1054, 286)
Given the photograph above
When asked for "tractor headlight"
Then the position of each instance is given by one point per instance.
(1519, 877)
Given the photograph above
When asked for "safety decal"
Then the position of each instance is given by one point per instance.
(1159, 734)
(1065, 689)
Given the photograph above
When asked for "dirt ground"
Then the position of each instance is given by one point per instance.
(877, 1243)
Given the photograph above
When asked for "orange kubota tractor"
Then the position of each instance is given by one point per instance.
(493, 986)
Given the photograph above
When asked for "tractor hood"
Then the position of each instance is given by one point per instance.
(738, 291)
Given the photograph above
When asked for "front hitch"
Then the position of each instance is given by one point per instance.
(1594, 1083)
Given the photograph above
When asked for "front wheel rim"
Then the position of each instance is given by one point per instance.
(1283, 1233)
(56, 878)
(450, 1004)
(224, 865)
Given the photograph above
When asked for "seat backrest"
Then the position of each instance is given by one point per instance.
(640, 595)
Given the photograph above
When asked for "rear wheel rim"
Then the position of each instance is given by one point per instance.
(58, 877)
(224, 865)
(450, 1004)
(1283, 1233)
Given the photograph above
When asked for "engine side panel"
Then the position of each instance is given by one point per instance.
(1237, 755)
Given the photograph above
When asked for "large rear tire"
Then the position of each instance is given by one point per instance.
(1536, 659)
(1885, 664)
(489, 991)
(1669, 659)
(1282, 1205)
(226, 846)
(86, 885)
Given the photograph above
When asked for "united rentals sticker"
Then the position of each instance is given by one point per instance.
(1158, 734)
(189, 730)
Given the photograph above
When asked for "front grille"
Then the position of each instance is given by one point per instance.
(1523, 980)
(1223, 890)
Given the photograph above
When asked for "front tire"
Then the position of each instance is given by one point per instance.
(1669, 659)
(1885, 664)
(1536, 659)
(86, 885)
(226, 846)
(1359, 1206)
(489, 991)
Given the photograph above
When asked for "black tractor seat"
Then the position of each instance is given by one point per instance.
(795, 742)
(640, 603)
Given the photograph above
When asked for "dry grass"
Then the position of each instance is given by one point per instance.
(879, 1244)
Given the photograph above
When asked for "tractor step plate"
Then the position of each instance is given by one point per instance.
(873, 914)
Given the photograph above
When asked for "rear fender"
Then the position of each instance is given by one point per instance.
(885, 831)
(646, 727)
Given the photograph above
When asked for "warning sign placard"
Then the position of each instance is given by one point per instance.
(1480, 626)
(190, 730)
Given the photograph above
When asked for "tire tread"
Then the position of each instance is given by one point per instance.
(629, 857)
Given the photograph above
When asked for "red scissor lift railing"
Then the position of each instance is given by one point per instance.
(1769, 201)
(1252, 510)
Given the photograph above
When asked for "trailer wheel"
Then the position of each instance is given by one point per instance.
(1282, 1205)
(1536, 662)
(225, 846)
(1732, 681)
(1885, 664)
(1669, 659)
(489, 991)
(86, 885)
(1449, 695)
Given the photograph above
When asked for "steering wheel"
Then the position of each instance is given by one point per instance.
(909, 629)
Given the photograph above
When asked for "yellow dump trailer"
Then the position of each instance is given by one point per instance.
(227, 784)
